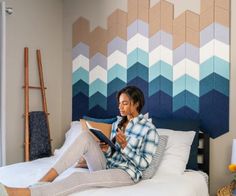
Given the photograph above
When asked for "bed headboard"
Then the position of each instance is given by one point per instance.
(203, 152)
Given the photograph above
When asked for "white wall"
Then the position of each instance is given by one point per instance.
(36, 24)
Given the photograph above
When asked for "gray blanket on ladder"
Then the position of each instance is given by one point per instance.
(39, 135)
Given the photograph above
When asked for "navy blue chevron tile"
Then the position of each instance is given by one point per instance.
(143, 85)
(137, 70)
(114, 86)
(79, 105)
(214, 81)
(80, 86)
(206, 84)
(222, 84)
(166, 86)
(112, 105)
(98, 112)
(186, 98)
(98, 99)
(186, 113)
(214, 113)
(154, 86)
(160, 105)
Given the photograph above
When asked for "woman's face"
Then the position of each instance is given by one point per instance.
(126, 106)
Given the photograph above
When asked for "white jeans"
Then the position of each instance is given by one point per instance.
(99, 176)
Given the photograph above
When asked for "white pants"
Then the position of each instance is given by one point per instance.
(99, 176)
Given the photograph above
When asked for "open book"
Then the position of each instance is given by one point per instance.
(99, 134)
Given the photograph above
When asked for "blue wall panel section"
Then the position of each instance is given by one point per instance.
(186, 113)
(154, 86)
(80, 86)
(80, 106)
(137, 70)
(112, 105)
(97, 112)
(114, 86)
(160, 105)
(166, 86)
(214, 113)
(98, 99)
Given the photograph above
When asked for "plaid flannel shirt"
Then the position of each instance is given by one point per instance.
(142, 140)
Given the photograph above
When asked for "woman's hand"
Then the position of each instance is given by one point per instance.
(121, 138)
(104, 147)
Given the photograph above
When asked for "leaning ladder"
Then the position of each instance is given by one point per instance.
(27, 87)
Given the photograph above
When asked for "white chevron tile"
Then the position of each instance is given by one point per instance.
(137, 41)
(222, 50)
(167, 55)
(80, 61)
(187, 67)
(207, 51)
(160, 53)
(132, 44)
(179, 69)
(97, 73)
(143, 43)
(192, 69)
(154, 56)
(116, 57)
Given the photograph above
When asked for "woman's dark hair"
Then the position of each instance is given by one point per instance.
(135, 95)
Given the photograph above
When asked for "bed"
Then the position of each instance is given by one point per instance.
(166, 181)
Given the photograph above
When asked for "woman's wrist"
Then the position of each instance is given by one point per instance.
(123, 145)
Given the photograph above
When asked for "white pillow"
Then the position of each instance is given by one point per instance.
(177, 151)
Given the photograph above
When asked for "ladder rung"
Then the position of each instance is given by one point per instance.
(29, 112)
(35, 87)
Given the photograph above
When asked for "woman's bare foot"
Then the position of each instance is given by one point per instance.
(50, 176)
(15, 191)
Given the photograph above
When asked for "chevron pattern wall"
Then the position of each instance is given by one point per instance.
(181, 64)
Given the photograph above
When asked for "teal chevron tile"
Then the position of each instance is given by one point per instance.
(206, 68)
(155, 71)
(115, 85)
(137, 70)
(117, 71)
(166, 86)
(206, 84)
(143, 57)
(166, 70)
(192, 85)
(179, 101)
(179, 85)
(98, 86)
(154, 86)
(192, 101)
(80, 74)
(221, 84)
(98, 99)
(221, 67)
(80, 86)
(132, 58)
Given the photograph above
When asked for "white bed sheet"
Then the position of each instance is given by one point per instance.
(189, 184)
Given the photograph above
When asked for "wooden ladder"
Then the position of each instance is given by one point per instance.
(27, 87)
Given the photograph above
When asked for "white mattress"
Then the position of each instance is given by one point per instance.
(191, 183)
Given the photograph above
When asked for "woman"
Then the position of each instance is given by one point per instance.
(136, 141)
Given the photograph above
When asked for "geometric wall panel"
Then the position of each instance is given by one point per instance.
(181, 64)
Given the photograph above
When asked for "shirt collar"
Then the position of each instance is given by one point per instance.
(134, 120)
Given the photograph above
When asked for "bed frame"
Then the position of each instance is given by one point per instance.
(203, 152)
